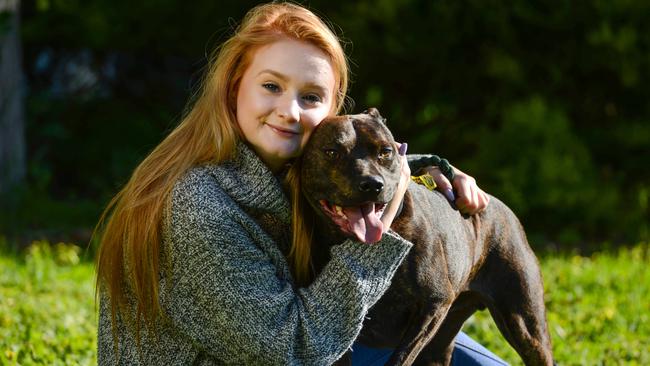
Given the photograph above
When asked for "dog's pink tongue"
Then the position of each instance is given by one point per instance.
(364, 222)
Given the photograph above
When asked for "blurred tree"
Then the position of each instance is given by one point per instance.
(545, 103)
(12, 140)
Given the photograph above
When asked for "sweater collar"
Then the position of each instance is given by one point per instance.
(250, 183)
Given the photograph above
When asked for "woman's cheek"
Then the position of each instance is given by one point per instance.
(305, 138)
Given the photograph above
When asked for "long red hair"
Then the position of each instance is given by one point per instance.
(129, 230)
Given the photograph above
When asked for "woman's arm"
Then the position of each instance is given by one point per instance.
(236, 302)
(459, 188)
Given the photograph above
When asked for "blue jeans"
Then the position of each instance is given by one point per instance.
(467, 352)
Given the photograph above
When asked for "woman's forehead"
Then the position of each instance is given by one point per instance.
(294, 60)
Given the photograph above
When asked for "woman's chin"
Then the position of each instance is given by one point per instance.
(278, 156)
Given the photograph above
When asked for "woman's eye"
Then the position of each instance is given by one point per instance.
(312, 98)
(332, 153)
(271, 87)
(385, 153)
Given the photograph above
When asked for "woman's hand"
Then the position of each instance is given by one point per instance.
(469, 198)
(391, 210)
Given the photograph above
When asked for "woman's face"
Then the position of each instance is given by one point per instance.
(287, 90)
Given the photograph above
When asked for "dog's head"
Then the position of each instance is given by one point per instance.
(350, 170)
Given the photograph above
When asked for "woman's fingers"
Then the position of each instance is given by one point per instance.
(466, 201)
(406, 169)
(471, 199)
(442, 183)
(394, 204)
(463, 192)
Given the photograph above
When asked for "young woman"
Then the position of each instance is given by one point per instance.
(198, 263)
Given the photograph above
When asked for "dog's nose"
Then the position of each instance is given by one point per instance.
(371, 184)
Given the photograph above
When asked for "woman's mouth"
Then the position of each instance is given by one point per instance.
(284, 132)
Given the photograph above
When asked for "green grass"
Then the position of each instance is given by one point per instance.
(598, 308)
(47, 314)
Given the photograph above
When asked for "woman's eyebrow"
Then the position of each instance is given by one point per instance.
(274, 73)
(321, 89)
(284, 77)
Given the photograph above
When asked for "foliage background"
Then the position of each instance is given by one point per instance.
(546, 104)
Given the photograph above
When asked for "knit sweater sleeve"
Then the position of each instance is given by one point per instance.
(231, 300)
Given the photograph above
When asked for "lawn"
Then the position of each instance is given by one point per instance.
(47, 314)
(598, 308)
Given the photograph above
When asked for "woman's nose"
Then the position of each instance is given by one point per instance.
(289, 109)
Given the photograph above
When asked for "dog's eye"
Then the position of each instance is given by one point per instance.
(385, 153)
(332, 154)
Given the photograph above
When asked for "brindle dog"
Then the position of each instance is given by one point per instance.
(457, 265)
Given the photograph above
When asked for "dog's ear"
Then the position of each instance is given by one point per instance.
(375, 113)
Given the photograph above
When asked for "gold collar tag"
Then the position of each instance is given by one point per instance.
(425, 180)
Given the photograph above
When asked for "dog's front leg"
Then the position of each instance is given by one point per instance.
(422, 327)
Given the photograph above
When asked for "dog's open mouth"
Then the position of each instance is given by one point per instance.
(362, 222)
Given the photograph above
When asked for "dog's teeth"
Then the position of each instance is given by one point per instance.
(380, 211)
(339, 211)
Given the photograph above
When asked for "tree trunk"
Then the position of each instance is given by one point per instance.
(12, 124)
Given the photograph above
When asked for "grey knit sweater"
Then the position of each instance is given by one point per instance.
(229, 297)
